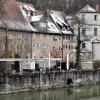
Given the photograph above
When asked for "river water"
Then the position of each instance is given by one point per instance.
(82, 93)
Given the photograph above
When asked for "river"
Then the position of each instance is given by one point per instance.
(82, 93)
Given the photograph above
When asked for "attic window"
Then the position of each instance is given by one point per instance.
(63, 28)
(68, 28)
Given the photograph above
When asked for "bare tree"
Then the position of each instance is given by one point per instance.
(78, 49)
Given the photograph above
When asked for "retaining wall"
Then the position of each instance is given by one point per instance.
(11, 83)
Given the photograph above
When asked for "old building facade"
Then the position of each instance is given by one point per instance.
(15, 32)
(90, 34)
(54, 36)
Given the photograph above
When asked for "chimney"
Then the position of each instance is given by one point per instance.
(97, 8)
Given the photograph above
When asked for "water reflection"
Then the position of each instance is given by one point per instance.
(83, 93)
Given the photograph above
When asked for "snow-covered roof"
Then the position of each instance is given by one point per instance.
(14, 25)
(59, 20)
(51, 28)
(96, 40)
(27, 6)
(57, 17)
(51, 23)
(36, 18)
(87, 8)
(69, 17)
(27, 10)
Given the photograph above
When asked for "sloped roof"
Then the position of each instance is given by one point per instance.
(25, 9)
(51, 27)
(87, 8)
(96, 40)
(47, 26)
(51, 21)
(13, 19)
(13, 11)
(58, 18)
(36, 18)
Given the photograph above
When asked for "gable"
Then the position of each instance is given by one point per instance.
(88, 9)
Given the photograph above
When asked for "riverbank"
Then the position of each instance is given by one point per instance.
(15, 83)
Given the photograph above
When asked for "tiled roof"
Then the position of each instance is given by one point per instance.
(13, 11)
(14, 19)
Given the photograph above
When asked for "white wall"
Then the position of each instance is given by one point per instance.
(96, 51)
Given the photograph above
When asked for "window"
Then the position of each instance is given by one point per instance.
(41, 24)
(1, 47)
(34, 45)
(44, 46)
(69, 46)
(95, 31)
(69, 37)
(83, 31)
(59, 48)
(63, 28)
(83, 45)
(95, 17)
(68, 28)
(54, 47)
(83, 17)
(64, 36)
(37, 45)
(66, 46)
(54, 39)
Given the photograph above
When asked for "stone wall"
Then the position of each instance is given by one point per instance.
(18, 42)
(12, 83)
(43, 44)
